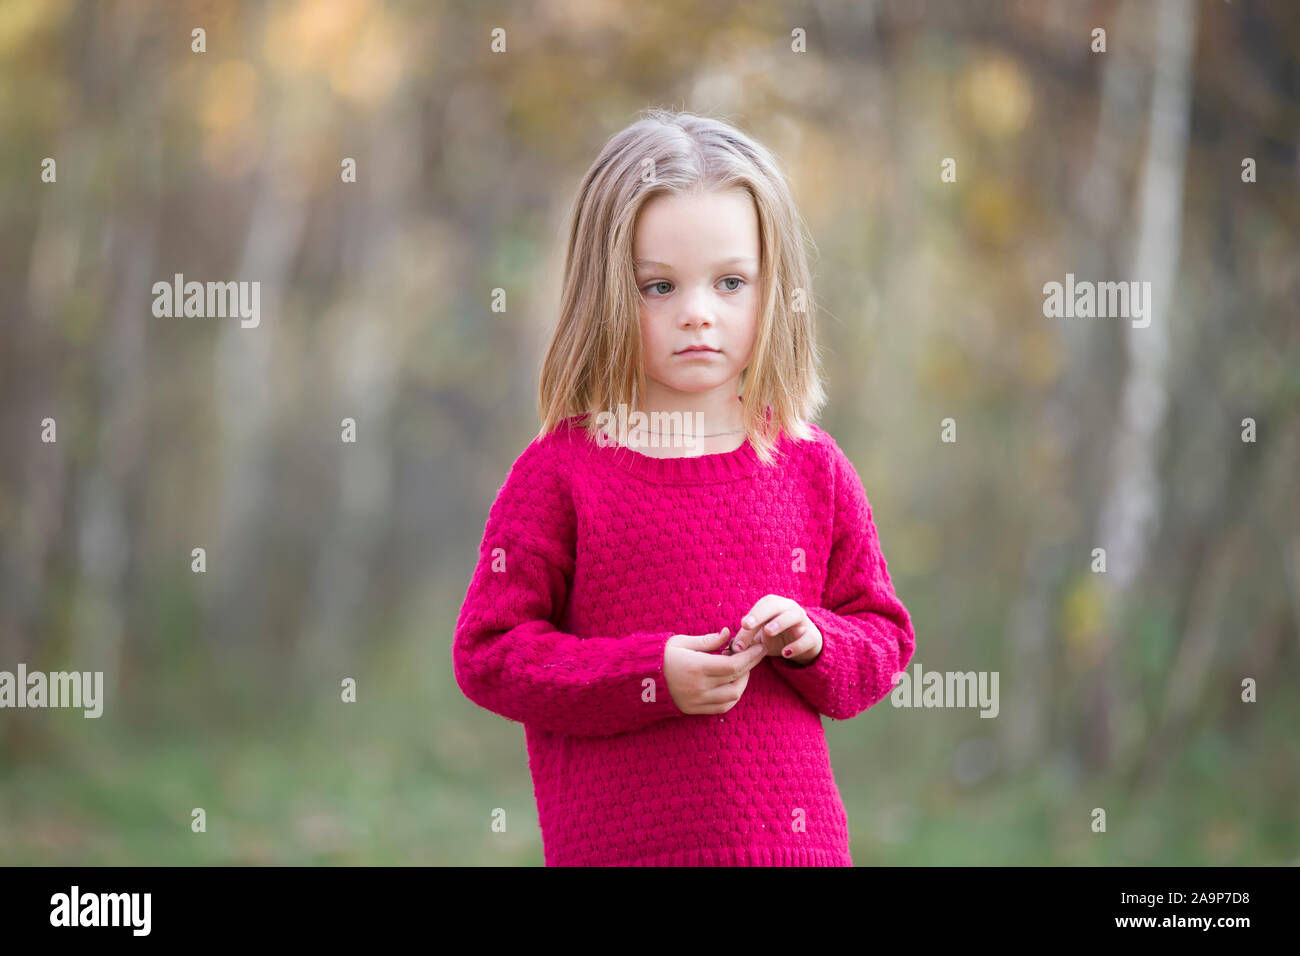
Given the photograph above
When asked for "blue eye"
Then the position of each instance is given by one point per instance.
(660, 282)
(733, 279)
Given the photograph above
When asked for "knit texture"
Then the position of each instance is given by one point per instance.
(592, 558)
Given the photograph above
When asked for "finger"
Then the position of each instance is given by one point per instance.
(748, 663)
(783, 621)
(736, 666)
(758, 649)
(737, 682)
(740, 664)
(705, 642)
(780, 628)
(777, 642)
(724, 693)
(746, 636)
(764, 609)
(801, 646)
(721, 667)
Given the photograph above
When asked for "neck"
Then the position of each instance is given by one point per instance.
(700, 428)
(703, 413)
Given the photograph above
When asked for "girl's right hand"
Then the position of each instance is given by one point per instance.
(703, 682)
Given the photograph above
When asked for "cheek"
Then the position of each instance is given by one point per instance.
(743, 308)
(653, 326)
(651, 344)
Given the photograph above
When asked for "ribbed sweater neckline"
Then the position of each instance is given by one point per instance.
(689, 469)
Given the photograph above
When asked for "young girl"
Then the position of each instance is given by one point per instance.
(677, 581)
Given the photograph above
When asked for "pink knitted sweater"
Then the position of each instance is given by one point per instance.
(592, 558)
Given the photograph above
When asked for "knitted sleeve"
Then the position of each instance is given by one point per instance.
(509, 656)
(866, 632)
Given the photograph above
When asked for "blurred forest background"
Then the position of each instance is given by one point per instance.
(328, 560)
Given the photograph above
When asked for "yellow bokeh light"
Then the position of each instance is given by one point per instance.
(374, 63)
(314, 34)
(229, 95)
(997, 95)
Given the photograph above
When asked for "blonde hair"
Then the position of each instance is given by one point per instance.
(594, 361)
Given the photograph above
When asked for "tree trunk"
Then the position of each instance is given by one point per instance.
(1131, 505)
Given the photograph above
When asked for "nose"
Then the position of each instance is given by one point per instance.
(696, 310)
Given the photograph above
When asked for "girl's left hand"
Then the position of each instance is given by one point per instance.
(783, 626)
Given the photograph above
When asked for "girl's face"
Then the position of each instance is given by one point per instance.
(696, 261)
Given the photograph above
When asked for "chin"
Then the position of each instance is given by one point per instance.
(697, 385)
